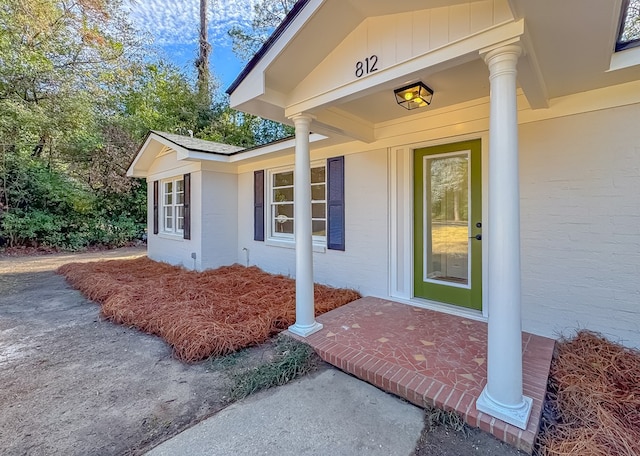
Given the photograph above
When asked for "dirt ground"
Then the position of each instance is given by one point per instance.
(74, 384)
(442, 441)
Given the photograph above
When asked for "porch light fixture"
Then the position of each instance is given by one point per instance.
(414, 96)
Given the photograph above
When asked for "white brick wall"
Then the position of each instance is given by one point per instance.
(219, 219)
(364, 264)
(580, 219)
(173, 249)
(580, 214)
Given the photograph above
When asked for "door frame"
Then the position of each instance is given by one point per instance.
(401, 216)
(470, 295)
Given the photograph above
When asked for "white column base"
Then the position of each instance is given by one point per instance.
(517, 416)
(306, 330)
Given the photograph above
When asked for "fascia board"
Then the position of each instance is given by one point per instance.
(267, 149)
(134, 169)
(253, 85)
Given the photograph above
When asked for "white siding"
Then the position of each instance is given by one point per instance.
(580, 213)
(398, 38)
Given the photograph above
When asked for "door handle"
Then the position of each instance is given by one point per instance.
(477, 237)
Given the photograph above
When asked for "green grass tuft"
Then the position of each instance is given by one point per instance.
(292, 359)
(229, 361)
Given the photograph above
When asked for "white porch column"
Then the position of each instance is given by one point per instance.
(305, 312)
(502, 396)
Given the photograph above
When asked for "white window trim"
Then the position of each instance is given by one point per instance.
(284, 239)
(174, 231)
(625, 59)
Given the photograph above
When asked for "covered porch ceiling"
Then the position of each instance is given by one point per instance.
(567, 47)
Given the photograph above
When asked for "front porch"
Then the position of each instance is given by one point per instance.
(428, 357)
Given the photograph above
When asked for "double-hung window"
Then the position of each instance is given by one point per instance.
(173, 206)
(281, 204)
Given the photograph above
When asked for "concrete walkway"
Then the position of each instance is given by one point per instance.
(326, 413)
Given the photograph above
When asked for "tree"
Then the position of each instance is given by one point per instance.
(76, 100)
(63, 66)
(57, 58)
(267, 15)
(161, 98)
(202, 62)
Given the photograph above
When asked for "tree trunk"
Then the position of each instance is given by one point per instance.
(456, 205)
(202, 62)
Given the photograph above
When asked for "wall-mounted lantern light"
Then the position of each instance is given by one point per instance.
(414, 96)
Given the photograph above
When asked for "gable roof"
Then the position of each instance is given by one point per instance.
(159, 143)
(198, 145)
(310, 64)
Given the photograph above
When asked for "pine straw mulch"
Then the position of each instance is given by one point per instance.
(593, 399)
(200, 314)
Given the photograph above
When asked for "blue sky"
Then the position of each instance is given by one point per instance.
(174, 24)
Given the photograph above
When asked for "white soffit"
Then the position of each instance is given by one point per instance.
(574, 43)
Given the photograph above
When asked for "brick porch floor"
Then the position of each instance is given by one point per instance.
(428, 357)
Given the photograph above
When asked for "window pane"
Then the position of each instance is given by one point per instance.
(180, 198)
(168, 223)
(168, 198)
(284, 227)
(282, 194)
(447, 228)
(319, 227)
(168, 211)
(631, 29)
(317, 175)
(283, 210)
(318, 210)
(317, 192)
(168, 187)
(180, 186)
(282, 179)
(180, 223)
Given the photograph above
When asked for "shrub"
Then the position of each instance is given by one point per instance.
(41, 207)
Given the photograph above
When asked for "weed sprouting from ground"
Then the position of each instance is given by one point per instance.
(292, 359)
(434, 417)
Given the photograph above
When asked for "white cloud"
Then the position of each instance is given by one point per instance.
(177, 21)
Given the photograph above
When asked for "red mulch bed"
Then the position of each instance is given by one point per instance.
(200, 314)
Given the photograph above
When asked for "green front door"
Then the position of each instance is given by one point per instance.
(448, 224)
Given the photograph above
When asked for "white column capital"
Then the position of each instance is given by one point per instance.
(302, 118)
(502, 59)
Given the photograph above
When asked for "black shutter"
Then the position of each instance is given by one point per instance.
(335, 203)
(258, 205)
(156, 215)
(186, 233)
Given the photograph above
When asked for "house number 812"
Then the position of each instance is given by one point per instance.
(368, 66)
